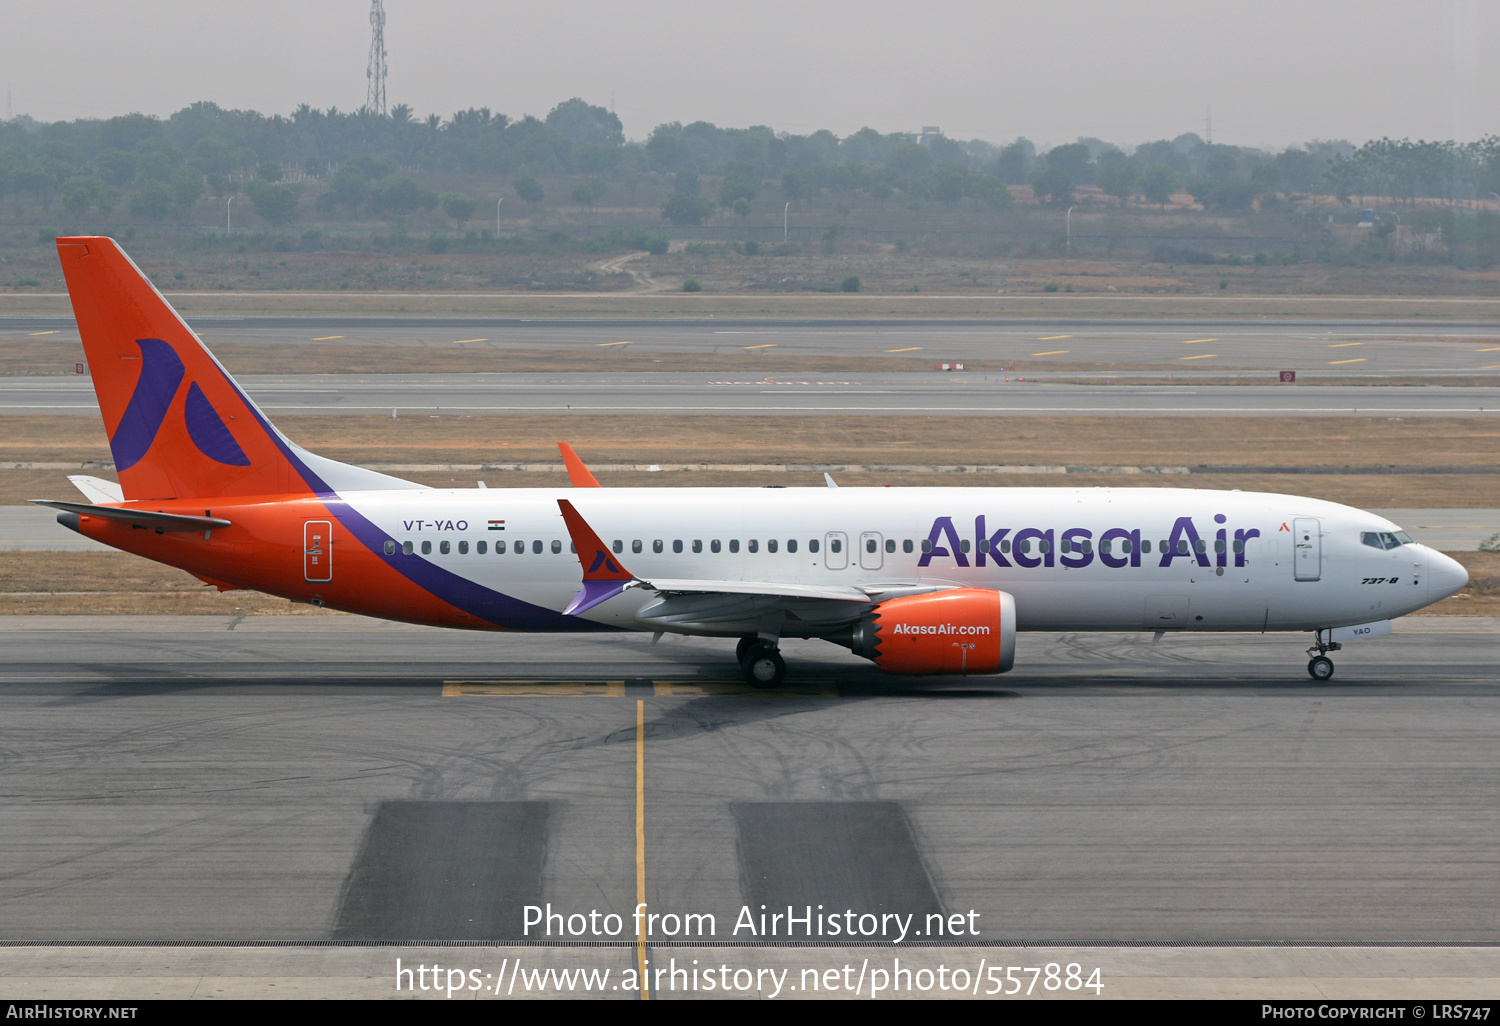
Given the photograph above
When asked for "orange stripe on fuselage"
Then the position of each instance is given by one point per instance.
(262, 549)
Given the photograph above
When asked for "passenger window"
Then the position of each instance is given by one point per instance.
(1005, 545)
(1219, 545)
(906, 545)
(1239, 545)
(500, 548)
(1182, 546)
(480, 548)
(1202, 545)
(427, 548)
(812, 545)
(1107, 547)
(635, 546)
(890, 545)
(1088, 546)
(697, 545)
(571, 548)
(791, 545)
(837, 545)
(870, 545)
(734, 545)
(771, 546)
(656, 546)
(753, 545)
(1161, 546)
(1025, 547)
(1067, 545)
(619, 546)
(963, 546)
(443, 547)
(390, 548)
(1146, 545)
(1044, 545)
(713, 546)
(677, 545)
(406, 548)
(520, 548)
(926, 545)
(536, 547)
(463, 548)
(556, 546)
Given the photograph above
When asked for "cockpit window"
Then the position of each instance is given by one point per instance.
(1385, 539)
(1403, 538)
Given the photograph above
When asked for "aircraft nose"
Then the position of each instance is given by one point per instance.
(1445, 576)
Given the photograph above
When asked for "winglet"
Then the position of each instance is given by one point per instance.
(604, 576)
(578, 474)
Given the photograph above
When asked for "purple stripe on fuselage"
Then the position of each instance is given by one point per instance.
(161, 374)
(475, 599)
(591, 594)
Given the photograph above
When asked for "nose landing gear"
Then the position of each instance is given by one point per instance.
(1320, 667)
(760, 662)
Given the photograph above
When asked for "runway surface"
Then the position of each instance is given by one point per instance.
(322, 777)
(1317, 347)
(783, 395)
(35, 529)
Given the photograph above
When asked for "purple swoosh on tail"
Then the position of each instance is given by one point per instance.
(209, 432)
(161, 373)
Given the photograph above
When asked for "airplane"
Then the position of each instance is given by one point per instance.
(916, 580)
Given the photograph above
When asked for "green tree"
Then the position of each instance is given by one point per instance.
(530, 190)
(154, 199)
(187, 186)
(949, 183)
(740, 182)
(269, 171)
(685, 205)
(586, 125)
(459, 207)
(1116, 175)
(586, 194)
(276, 203)
(81, 192)
(1158, 183)
(1053, 185)
(401, 197)
(349, 189)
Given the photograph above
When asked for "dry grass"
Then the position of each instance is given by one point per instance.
(1482, 596)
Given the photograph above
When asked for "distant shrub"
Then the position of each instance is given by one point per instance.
(750, 247)
(437, 244)
(692, 285)
(25, 282)
(1051, 286)
(850, 284)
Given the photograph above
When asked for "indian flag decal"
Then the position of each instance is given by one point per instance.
(497, 525)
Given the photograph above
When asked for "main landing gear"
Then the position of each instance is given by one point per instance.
(1320, 667)
(760, 662)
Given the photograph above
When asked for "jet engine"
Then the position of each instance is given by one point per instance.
(962, 631)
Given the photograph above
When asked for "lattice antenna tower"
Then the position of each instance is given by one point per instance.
(375, 92)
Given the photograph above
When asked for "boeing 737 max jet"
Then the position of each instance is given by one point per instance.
(918, 580)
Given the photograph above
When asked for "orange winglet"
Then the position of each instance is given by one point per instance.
(604, 576)
(578, 474)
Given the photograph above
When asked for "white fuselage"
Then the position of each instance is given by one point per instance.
(1233, 561)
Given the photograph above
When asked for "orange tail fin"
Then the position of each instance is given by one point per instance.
(179, 426)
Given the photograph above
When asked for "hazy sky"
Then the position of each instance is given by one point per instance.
(1273, 71)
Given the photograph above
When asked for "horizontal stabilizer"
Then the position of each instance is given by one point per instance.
(96, 489)
(143, 517)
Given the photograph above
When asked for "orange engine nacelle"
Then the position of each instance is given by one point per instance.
(963, 631)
